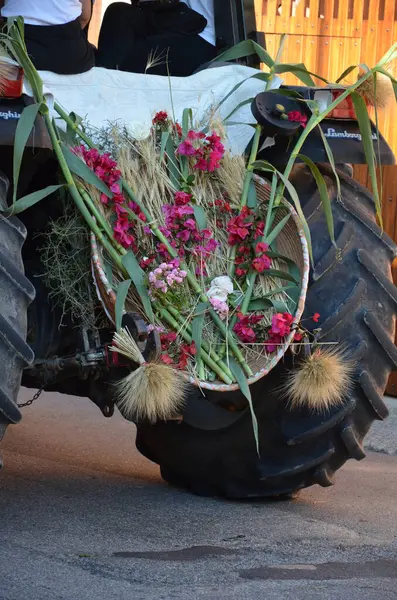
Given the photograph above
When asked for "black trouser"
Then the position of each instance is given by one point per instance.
(63, 49)
(126, 42)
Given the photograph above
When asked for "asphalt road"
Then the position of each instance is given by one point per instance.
(84, 517)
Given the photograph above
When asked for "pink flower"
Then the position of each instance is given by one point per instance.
(261, 247)
(195, 135)
(184, 235)
(190, 224)
(186, 148)
(281, 324)
(297, 117)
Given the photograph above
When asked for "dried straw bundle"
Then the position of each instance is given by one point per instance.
(153, 392)
(321, 381)
(377, 94)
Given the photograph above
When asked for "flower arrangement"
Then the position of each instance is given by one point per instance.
(213, 257)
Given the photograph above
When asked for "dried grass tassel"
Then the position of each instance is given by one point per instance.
(321, 381)
(379, 95)
(152, 392)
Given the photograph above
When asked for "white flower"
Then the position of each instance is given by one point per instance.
(221, 288)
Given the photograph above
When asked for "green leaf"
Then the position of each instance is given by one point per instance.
(324, 195)
(197, 327)
(164, 139)
(366, 134)
(279, 290)
(200, 216)
(295, 199)
(79, 168)
(259, 304)
(280, 275)
(138, 278)
(331, 161)
(245, 390)
(277, 229)
(107, 267)
(299, 70)
(281, 47)
(31, 199)
(345, 73)
(293, 270)
(172, 163)
(245, 49)
(270, 215)
(187, 118)
(122, 292)
(252, 200)
(22, 133)
(261, 76)
(263, 165)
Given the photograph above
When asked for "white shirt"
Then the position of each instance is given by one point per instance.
(205, 8)
(43, 12)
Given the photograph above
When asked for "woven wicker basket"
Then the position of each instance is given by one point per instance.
(291, 243)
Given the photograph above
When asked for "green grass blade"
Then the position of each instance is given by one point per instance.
(366, 133)
(197, 327)
(22, 133)
(252, 200)
(31, 199)
(172, 163)
(295, 199)
(244, 50)
(331, 161)
(324, 195)
(245, 390)
(164, 139)
(280, 275)
(121, 296)
(281, 47)
(138, 278)
(200, 216)
(277, 229)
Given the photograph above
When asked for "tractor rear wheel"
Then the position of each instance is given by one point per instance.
(212, 452)
(16, 293)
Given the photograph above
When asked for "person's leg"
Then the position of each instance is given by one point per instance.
(122, 24)
(63, 49)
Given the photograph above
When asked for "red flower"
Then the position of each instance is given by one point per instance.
(261, 263)
(298, 337)
(274, 341)
(160, 117)
(166, 359)
(238, 229)
(241, 272)
(182, 198)
(316, 317)
(297, 117)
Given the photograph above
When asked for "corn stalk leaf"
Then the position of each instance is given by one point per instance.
(245, 49)
(245, 390)
(22, 133)
(366, 134)
(172, 163)
(331, 161)
(138, 278)
(299, 70)
(252, 200)
(164, 139)
(261, 76)
(295, 199)
(277, 229)
(281, 275)
(259, 304)
(281, 47)
(293, 270)
(197, 327)
(79, 168)
(324, 195)
(200, 216)
(31, 199)
(121, 296)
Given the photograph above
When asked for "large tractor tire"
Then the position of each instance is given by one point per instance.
(212, 452)
(16, 293)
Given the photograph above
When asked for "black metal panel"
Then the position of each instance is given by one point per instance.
(234, 21)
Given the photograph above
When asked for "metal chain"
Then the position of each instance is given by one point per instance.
(29, 402)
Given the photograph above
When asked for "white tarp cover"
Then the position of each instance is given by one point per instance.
(101, 96)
